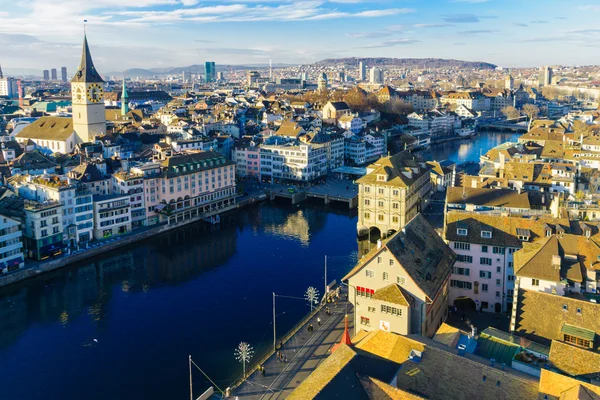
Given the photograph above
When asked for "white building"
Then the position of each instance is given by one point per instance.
(112, 215)
(293, 162)
(8, 87)
(11, 244)
(376, 76)
(132, 183)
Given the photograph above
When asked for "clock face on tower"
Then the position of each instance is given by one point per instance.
(94, 93)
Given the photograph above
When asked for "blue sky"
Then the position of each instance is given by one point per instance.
(43, 34)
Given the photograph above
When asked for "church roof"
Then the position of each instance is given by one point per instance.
(48, 128)
(86, 71)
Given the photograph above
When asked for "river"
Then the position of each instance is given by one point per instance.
(122, 325)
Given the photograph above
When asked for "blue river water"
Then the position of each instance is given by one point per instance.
(121, 326)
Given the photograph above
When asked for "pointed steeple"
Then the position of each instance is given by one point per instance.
(345, 336)
(124, 100)
(86, 71)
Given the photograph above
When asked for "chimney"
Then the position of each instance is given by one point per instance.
(556, 261)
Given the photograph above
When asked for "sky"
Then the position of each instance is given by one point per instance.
(123, 34)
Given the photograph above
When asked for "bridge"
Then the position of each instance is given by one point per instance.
(340, 190)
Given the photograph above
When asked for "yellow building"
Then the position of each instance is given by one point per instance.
(392, 193)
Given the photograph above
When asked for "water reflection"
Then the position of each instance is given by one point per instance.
(468, 150)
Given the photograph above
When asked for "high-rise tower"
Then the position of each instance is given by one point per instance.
(124, 100)
(89, 118)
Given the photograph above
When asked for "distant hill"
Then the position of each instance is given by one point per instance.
(407, 63)
(193, 69)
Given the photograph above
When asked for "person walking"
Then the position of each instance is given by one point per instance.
(262, 369)
(319, 321)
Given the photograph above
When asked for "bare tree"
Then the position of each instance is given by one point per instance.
(531, 110)
(511, 112)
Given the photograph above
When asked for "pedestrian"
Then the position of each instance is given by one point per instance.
(278, 355)
(280, 344)
(319, 321)
(285, 358)
(263, 370)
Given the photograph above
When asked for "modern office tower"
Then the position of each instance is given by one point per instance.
(54, 74)
(46, 75)
(63, 74)
(362, 71)
(376, 75)
(545, 76)
(210, 71)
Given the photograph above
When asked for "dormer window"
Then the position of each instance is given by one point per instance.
(461, 232)
(381, 177)
(486, 234)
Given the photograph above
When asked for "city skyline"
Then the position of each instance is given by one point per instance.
(171, 33)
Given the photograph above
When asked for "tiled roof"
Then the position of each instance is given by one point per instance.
(48, 128)
(401, 169)
(541, 316)
(394, 294)
(182, 164)
(387, 345)
(378, 390)
(447, 335)
(421, 252)
(557, 386)
(574, 361)
(502, 198)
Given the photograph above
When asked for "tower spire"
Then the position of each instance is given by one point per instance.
(124, 100)
(86, 71)
(345, 336)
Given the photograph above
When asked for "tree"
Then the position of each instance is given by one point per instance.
(243, 354)
(312, 296)
(510, 112)
(531, 110)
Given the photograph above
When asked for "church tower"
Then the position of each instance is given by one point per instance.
(89, 115)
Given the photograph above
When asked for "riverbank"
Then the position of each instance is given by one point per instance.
(34, 268)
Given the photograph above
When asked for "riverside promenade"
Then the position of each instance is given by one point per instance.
(304, 351)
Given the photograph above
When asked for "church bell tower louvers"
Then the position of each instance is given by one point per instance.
(89, 118)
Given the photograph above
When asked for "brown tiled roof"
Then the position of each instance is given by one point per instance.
(421, 252)
(447, 335)
(574, 361)
(577, 254)
(394, 294)
(402, 170)
(506, 198)
(541, 316)
(555, 385)
(579, 392)
(503, 228)
(48, 128)
(378, 390)
(442, 374)
(387, 345)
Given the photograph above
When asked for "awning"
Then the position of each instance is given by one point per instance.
(160, 207)
(578, 332)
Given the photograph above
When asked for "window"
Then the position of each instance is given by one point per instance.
(401, 280)
(395, 192)
(461, 232)
(578, 310)
(367, 215)
(380, 217)
(511, 278)
(379, 260)
(535, 282)
(484, 287)
(510, 293)
(462, 246)
(367, 202)
(484, 304)
(485, 274)
(464, 259)
(484, 249)
(497, 295)
(369, 273)
(395, 206)
(364, 292)
(565, 307)
(365, 321)
(461, 271)
(498, 269)
(385, 276)
(461, 284)
(371, 309)
(395, 219)
(380, 191)
(381, 204)
(391, 310)
(485, 261)
(391, 261)
(498, 283)
(498, 250)
(486, 234)
(577, 341)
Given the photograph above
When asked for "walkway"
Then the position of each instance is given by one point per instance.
(305, 351)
